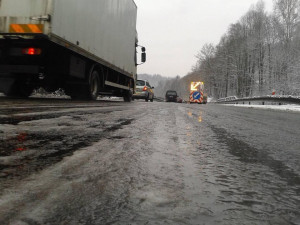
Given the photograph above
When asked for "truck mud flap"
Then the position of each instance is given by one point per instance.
(76, 89)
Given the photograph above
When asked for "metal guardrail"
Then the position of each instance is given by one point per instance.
(265, 100)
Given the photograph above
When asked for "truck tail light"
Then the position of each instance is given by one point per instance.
(31, 51)
(145, 88)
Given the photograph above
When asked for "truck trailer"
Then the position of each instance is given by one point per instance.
(86, 47)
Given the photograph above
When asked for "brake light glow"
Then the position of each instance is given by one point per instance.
(145, 88)
(32, 51)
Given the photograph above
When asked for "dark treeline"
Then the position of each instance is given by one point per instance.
(258, 55)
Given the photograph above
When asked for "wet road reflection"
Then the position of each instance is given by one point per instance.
(22, 137)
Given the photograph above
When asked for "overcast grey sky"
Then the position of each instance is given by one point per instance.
(174, 31)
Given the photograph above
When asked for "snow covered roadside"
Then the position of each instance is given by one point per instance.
(35, 94)
(293, 108)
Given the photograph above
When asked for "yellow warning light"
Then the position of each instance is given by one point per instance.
(194, 86)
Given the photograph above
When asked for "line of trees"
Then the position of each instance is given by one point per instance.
(258, 55)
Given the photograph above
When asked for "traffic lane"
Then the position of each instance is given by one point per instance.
(253, 171)
(87, 178)
(36, 136)
(167, 168)
(275, 133)
(104, 183)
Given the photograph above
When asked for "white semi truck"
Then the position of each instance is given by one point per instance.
(86, 47)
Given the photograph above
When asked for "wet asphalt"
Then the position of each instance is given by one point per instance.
(105, 162)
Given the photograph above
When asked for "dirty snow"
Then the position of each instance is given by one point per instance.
(294, 108)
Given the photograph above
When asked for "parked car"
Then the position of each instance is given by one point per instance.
(179, 100)
(143, 90)
(171, 96)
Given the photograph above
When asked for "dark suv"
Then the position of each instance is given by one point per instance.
(171, 96)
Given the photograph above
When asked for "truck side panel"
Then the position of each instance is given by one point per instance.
(106, 29)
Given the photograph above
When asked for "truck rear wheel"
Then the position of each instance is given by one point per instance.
(85, 91)
(128, 96)
(19, 89)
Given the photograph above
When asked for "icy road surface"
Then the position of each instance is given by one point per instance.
(65, 162)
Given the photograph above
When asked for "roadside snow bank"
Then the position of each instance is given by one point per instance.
(294, 108)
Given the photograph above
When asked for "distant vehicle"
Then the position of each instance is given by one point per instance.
(230, 98)
(204, 98)
(171, 96)
(179, 100)
(143, 90)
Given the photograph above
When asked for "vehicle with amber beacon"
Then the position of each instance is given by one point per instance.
(85, 47)
(197, 93)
